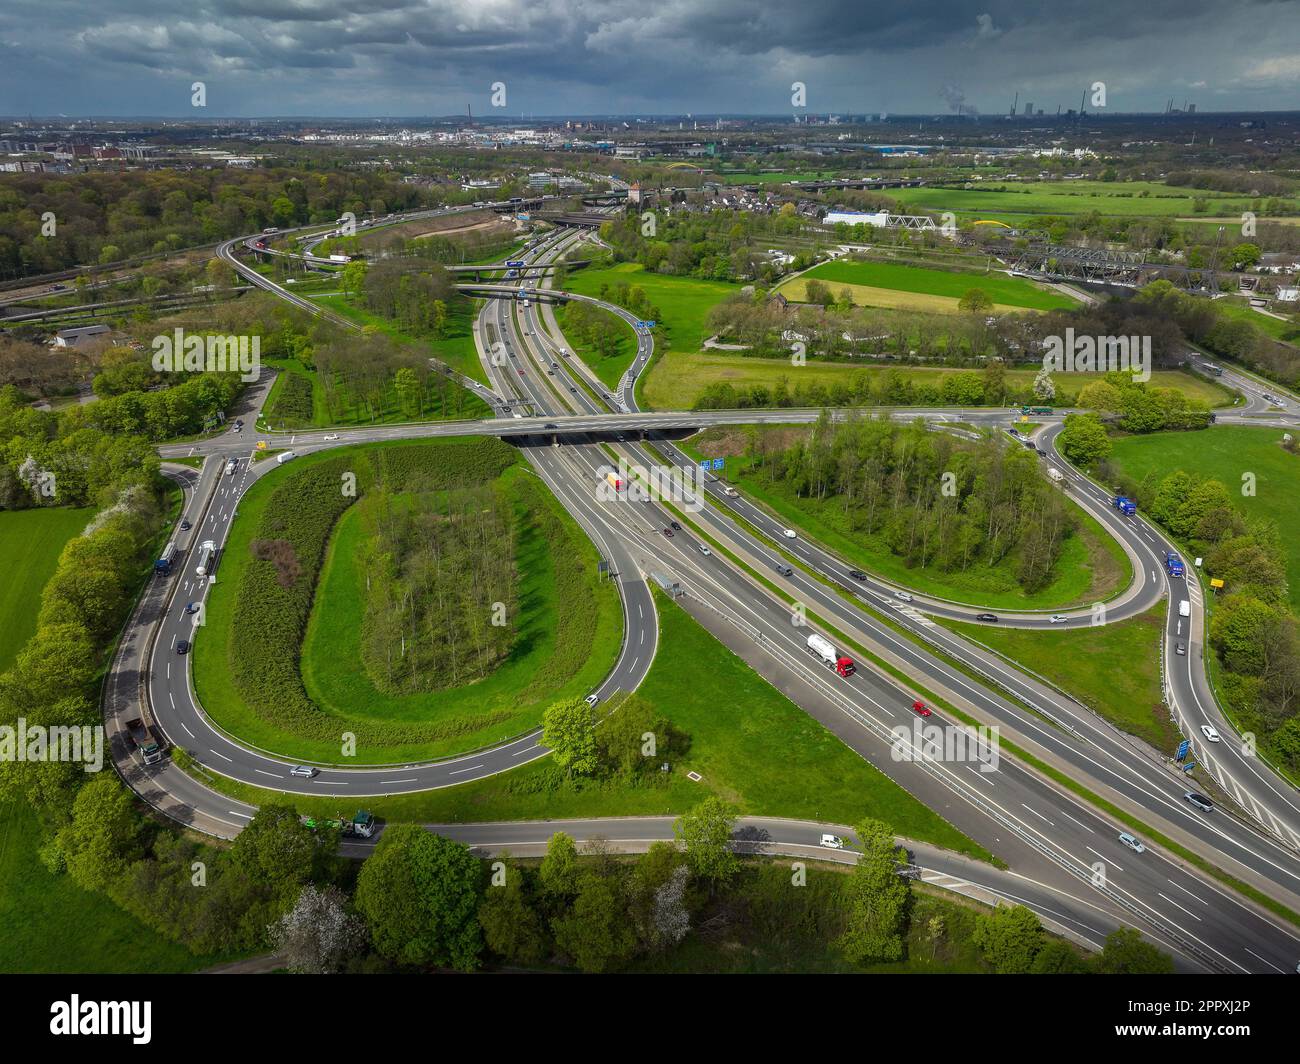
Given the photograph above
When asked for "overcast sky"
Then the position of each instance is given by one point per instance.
(430, 57)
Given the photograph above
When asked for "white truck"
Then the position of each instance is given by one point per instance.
(340, 258)
(287, 456)
(207, 558)
(1055, 475)
(825, 650)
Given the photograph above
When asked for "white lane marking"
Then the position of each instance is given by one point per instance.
(411, 780)
(244, 815)
(1079, 822)
(1177, 906)
(1103, 857)
(187, 729)
(1269, 963)
(460, 770)
(1038, 814)
(222, 756)
(526, 750)
(273, 775)
(1188, 892)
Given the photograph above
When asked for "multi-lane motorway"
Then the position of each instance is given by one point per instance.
(1044, 832)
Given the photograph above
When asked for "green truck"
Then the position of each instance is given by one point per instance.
(361, 826)
(1035, 409)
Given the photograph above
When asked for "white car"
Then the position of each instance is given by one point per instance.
(832, 842)
(591, 700)
(704, 549)
(305, 771)
(1058, 618)
(330, 437)
(1210, 734)
(903, 595)
(789, 533)
(1132, 842)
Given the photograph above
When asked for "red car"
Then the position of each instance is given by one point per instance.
(920, 709)
(668, 532)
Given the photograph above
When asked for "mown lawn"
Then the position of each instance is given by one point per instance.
(1226, 453)
(748, 741)
(684, 302)
(30, 544)
(1092, 567)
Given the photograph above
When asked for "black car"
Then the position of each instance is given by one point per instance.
(857, 574)
(992, 618)
(1042, 452)
(675, 525)
(551, 425)
(186, 526)
(783, 569)
(182, 646)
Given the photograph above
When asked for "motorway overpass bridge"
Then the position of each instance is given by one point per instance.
(574, 219)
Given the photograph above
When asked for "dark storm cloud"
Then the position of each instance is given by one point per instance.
(411, 57)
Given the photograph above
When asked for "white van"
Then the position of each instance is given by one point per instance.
(1184, 608)
(285, 457)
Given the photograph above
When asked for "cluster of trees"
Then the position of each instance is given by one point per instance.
(719, 245)
(1203, 322)
(934, 500)
(417, 300)
(627, 740)
(440, 605)
(104, 217)
(594, 328)
(867, 388)
(372, 377)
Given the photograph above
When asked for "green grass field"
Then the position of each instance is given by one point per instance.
(512, 697)
(609, 371)
(1286, 331)
(678, 378)
(871, 281)
(52, 925)
(456, 348)
(735, 720)
(1064, 198)
(1113, 669)
(1225, 452)
(1092, 566)
(30, 544)
(683, 301)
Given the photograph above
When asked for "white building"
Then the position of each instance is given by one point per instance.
(878, 220)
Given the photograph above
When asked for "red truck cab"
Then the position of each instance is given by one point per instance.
(845, 666)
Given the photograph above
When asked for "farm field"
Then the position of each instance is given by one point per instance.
(1224, 452)
(916, 288)
(30, 544)
(1116, 199)
(677, 379)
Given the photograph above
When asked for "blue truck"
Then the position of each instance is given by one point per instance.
(1174, 564)
(1125, 505)
(163, 565)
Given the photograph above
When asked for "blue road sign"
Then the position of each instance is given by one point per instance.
(1189, 766)
(704, 464)
(718, 463)
(1183, 747)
